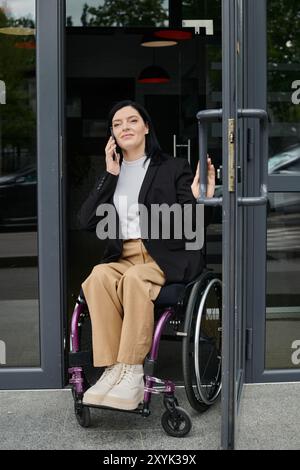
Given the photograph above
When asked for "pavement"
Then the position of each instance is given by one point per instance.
(45, 419)
(268, 419)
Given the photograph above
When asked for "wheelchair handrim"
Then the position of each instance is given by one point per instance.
(197, 342)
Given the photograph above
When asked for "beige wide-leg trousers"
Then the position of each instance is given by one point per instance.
(120, 299)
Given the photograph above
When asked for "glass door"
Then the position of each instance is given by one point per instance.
(267, 318)
(183, 41)
(243, 123)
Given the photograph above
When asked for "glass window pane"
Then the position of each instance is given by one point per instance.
(284, 87)
(19, 314)
(283, 274)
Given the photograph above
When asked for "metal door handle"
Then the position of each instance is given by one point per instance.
(263, 155)
(213, 114)
(188, 145)
(203, 117)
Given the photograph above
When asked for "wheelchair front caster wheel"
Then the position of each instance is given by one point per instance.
(176, 423)
(83, 415)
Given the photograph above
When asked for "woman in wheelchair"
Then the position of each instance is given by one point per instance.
(121, 290)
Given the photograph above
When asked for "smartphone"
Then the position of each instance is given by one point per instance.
(117, 150)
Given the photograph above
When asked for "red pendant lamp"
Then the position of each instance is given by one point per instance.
(25, 45)
(173, 34)
(153, 73)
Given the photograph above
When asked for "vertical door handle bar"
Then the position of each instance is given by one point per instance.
(203, 118)
(263, 156)
(213, 114)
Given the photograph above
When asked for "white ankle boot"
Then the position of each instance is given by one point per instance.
(95, 394)
(128, 392)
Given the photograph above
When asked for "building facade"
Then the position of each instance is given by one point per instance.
(62, 66)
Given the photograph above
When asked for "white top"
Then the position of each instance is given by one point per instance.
(126, 194)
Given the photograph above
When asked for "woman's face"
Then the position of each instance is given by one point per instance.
(129, 128)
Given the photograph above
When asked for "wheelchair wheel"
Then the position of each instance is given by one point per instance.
(203, 341)
(82, 414)
(177, 423)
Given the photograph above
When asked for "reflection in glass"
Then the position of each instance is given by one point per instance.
(19, 319)
(283, 274)
(108, 13)
(286, 162)
(91, 91)
(283, 75)
(205, 10)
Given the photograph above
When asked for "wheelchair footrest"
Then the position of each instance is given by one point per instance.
(81, 358)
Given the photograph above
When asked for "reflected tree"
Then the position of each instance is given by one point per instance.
(18, 116)
(206, 9)
(120, 13)
(283, 56)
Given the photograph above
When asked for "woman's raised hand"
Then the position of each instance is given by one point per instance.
(211, 181)
(112, 157)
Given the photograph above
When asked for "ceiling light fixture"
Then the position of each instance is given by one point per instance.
(154, 74)
(19, 31)
(149, 40)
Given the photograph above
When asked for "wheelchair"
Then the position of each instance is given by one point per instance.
(191, 312)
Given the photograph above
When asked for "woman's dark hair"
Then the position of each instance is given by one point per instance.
(152, 148)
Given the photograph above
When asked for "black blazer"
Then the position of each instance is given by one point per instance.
(167, 181)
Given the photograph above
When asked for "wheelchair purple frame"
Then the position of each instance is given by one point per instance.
(77, 380)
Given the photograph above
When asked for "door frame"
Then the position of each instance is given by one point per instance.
(239, 275)
(229, 341)
(50, 98)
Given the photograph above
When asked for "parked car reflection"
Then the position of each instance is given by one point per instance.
(18, 199)
(286, 162)
(283, 209)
